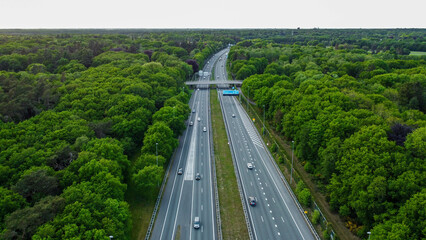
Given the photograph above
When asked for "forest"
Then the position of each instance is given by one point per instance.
(77, 105)
(357, 118)
(74, 108)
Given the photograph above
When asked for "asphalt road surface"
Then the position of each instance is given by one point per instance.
(185, 197)
(275, 215)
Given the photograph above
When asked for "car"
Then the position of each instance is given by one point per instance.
(250, 165)
(204, 129)
(191, 123)
(217, 77)
(233, 115)
(199, 119)
(252, 201)
(198, 89)
(197, 176)
(180, 171)
(196, 222)
(193, 110)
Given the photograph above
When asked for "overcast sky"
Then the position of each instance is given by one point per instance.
(212, 14)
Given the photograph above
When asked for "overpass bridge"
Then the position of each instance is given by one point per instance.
(215, 82)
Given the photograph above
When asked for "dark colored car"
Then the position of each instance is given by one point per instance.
(197, 176)
(252, 201)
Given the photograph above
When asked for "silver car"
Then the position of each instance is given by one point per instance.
(249, 165)
(196, 222)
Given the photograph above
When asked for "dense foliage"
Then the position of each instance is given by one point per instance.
(358, 123)
(73, 108)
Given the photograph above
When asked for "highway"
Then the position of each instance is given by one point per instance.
(276, 215)
(184, 197)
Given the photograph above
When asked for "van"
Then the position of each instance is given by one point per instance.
(196, 222)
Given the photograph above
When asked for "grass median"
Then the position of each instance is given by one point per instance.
(231, 210)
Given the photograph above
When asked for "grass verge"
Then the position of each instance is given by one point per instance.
(231, 211)
(141, 209)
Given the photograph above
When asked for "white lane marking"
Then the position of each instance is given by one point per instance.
(174, 182)
(251, 183)
(270, 211)
(266, 199)
(273, 200)
(282, 219)
(279, 233)
(202, 190)
(202, 229)
(263, 193)
(276, 225)
(210, 167)
(268, 204)
(190, 162)
(261, 218)
(201, 207)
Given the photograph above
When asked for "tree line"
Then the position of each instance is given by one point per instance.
(358, 123)
(73, 109)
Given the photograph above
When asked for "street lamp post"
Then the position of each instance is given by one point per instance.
(292, 153)
(369, 234)
(111, 237)
(156, 152)
(263, 119)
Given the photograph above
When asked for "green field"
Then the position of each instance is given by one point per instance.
(415, 53)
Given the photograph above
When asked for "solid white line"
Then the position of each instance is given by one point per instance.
(174, 182)
(210, 166)
(273, 180)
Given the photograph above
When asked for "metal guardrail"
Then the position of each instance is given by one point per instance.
(160, 194)
(240, 188)
(314, 232)
(219, 223)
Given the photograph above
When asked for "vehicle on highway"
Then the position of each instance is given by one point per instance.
(233, 115)
(199, 119)
(250, 165)
(191, 123)
(193, 110)
(197, 176)
(204, 129)
(180, 171)
(196, 222)
(252, 201)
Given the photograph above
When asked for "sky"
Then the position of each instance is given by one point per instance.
(212, 14)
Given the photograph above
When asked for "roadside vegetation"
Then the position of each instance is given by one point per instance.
(358, 125)
(81, 116)
(231, 210)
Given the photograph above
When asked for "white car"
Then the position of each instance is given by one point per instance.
(250, 166)
(199, 119)
(204, 129)
(233, 115)
(191, 123)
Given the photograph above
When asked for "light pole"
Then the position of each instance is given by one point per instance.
(369, 234)
(156, 152)
(111, 237)
(263, 119)
(248, 96)
(292, 150)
